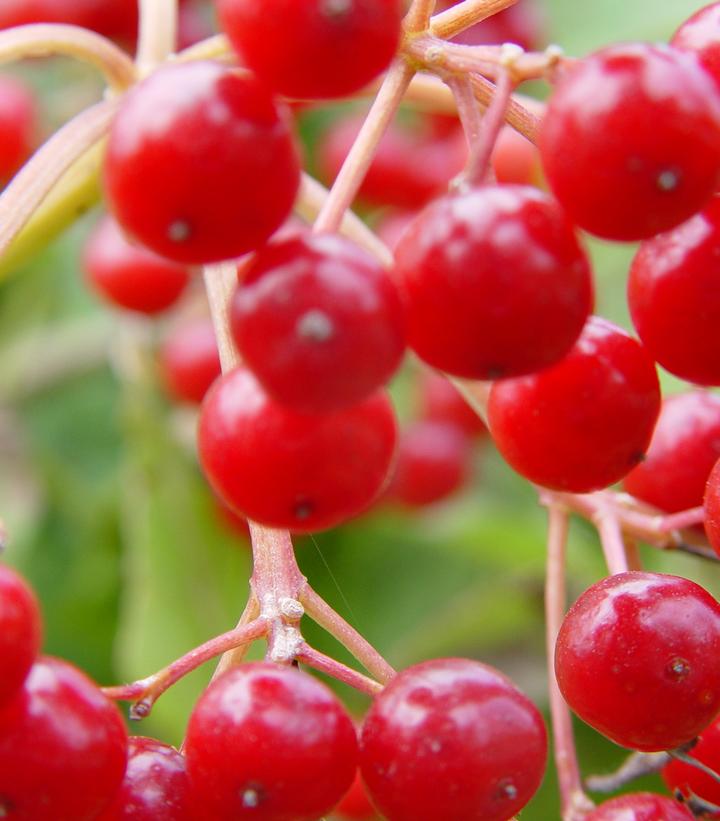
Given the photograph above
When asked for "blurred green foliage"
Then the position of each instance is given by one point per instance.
(111, 520)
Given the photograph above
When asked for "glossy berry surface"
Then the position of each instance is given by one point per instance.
(701, 34)
(20, 632)
(184, 146)
(682, 452)
(128, 275)
(584, 423)
(440, 401)
(63, 747)
(638, 658)
(673, 284)
(495, 281)
(270, 742)
(433, 463)
(189, 360)
(711, 502)
(285, 469)
(319, 322)
(314, 48)
(18, 125)
(452, 739)
(690, 780)
(630, 141)
(113, 18)
(155, 787)
(640, 807)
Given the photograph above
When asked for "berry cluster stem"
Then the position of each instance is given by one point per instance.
(158, 33)
(460, 17)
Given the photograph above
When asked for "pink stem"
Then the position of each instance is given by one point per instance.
(360, 156)
(612, 542)
(319, 661)
(683, 519)
(460, 17)
(321, 612)
(479, 160)
(572, 796)
(418, 16)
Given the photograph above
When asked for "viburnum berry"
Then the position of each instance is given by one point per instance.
(638, 658)
(356, 805)
(452, 738)
(20, 632)
(281, 468)
(630, 141)
(128, 275)
(584, 423)
(18, 125)
(673, 284)
(515, 159)
(189, 360)
(186, 147)
(318, 321)
(495, 281)
(113, 18)
(63, 747)
(701, 34)
(155, 787)
(269, 742)
(433, 462)
(314, 48)
(690, 780)
(640, 807)
(682, 452)
(440, 401)
(711, 503)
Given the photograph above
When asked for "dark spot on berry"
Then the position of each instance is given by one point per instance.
(303, 509)
(252, 795)
(637, 457)
(678, 668)
(6, 807)
(179, 231)
(495, 372)
(506, 790)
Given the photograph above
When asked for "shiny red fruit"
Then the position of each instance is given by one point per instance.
(113, 18)
(269, 742)
(638, 658)
(690, 780)
(682, 452)
(189, 360)
(495, 281)
(18, 125)
(711, 502)
(128, 275)
(433, 463)
(673, 285)
(319, 322)
(701, 34)
(452, 739)
(63, 747)
(584, 423)
(201, 165)
(20, 632)
(155, 787)
(640, 807)
(303, 472)
(314, 48)
(630, 141)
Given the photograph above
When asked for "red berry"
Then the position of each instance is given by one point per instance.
(128, 275)
(712, 507)
(701, 34)
(356, 804)
(63, 747)
(113, 18)
(440, 401)
(515, 159)
(193, 24)
(271, 743)
(690, 780)
(319, 322)
(640, 807)
(314, 48)
(673, 285)
(630, 141)
(433, 462)
(682, 452)
(189, 360)
(495, 281)
(303, 472)
(18, 124)
(452, 738)
(638, 658)
(155, 785)
(20, 632)
(584, 423)
(201, 165)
